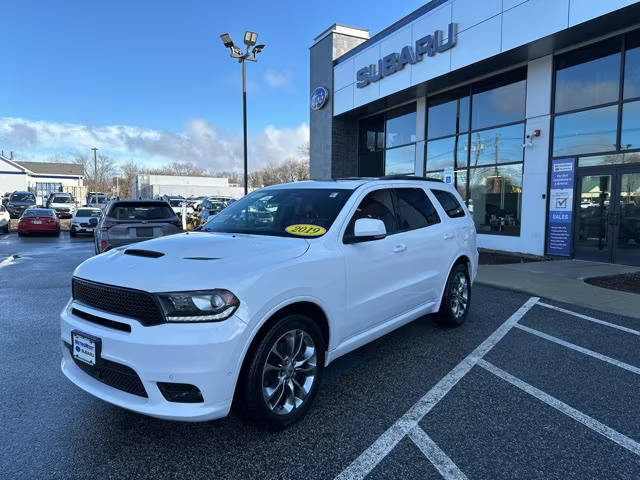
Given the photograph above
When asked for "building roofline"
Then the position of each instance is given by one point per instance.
(343, 30)
(15, 164)
(391, 28)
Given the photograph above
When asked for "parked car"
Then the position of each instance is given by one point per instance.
(85, 221)
(176, 205)
(252, 311)
(39, 220)
(130, 221)
(19, 202)
(5, 199)
(210, 207)
(5, 219)
(97, 200)
(63, 203)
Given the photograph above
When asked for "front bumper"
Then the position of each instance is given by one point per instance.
(205, 355)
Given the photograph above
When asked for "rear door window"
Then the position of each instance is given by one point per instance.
(414, 209)
(449, 203)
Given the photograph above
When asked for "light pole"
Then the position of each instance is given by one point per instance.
(95, 170)
(250, 39)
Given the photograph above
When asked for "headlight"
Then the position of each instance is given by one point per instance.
(199, 306)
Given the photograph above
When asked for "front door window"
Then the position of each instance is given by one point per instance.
(593, 218)
(628, 242)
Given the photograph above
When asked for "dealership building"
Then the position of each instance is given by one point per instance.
(531, 109)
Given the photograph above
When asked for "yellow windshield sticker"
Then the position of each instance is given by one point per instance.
(305, 230)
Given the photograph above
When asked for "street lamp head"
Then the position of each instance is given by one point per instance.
(226, 39)
(236, 52)
(250, 38)
(258, 48)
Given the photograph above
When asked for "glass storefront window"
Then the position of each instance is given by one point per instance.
(372, 134)
(589, 131)
(371, 164)
(448, 118)
(630, 136)
(401, 130)
(505, 104)
(588, 84)
(616, 158)
(495, 198)
(445, 153)
(400, 161)
(632, 73)
(498, 145)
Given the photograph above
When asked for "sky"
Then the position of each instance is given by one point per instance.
(151, 81)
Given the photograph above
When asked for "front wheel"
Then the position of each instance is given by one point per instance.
(456, 298)
(283, 375)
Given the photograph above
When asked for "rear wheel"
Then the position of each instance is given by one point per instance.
(456, 298)
(282, 377)
(72, 232)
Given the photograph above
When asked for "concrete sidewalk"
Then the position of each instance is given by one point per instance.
(563, 281)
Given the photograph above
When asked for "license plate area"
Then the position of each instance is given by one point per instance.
(85, 348)
(144, 232)
(37, 222)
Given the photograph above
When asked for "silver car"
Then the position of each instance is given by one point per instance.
(130, 221)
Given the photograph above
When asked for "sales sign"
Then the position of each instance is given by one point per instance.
(561, 207)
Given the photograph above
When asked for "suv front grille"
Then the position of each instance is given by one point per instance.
(119, 300)
(113, 374)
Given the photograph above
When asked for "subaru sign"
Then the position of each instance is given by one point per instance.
(319, 98)
(394, 62)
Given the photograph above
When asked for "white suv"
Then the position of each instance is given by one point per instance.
(251, 309)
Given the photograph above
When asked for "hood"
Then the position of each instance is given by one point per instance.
(191, 261)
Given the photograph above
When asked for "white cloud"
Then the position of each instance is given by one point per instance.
(277, 79)
(206, 145)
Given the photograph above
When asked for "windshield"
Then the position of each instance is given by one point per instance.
(175, 203)
(23, 197)
(86, 212)
(100, 199)
(38, 212)
(61, 199)
(141, 211)
(287, 212)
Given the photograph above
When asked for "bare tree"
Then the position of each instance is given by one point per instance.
(99, 175)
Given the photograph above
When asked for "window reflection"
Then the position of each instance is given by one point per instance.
(498, 106)
(630, 136)
(447, 152)
(495, 198)
(448, 118)
(498, 145)
(401, 130)
(588, 84)
(589, 131)
(617, 158)
(400, 161)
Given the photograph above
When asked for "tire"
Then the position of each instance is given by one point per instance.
(72, 232)
(456, 298)
(258, 381)
(96, 249)
(57, 234)
(20, 234)
(6, 228)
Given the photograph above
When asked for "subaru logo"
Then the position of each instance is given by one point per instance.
(319, 98)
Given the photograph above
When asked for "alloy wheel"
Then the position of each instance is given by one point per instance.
(459, 294)
(289, 372)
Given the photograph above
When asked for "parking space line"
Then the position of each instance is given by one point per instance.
(591, 319)
(583, 350)
(381, 447)
(435, 455)
(577, 415)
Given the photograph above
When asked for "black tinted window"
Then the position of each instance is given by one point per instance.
(38, 212)
(379, 205)
(22, 197)
(86, 212)
(449, 203)
(414, 209)
(141, 211)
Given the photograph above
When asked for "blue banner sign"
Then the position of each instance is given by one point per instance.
(561, 206)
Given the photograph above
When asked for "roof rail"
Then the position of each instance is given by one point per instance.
(393, 177)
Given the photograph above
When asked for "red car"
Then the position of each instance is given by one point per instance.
(39, 220)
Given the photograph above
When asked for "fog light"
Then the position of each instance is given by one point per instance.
(180, 392)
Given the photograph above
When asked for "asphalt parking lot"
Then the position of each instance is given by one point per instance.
(524, 389)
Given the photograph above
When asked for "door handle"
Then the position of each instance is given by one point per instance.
(399, 248)
(448, 236)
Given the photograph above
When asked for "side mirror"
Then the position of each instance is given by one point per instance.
(367, 229)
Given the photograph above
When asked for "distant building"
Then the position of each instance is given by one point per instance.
(41, 178)
(152, 186)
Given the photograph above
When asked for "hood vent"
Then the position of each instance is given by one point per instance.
(201, 258)
(143, 253)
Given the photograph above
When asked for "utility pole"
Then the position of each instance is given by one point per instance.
(244, 121)
(95, 169)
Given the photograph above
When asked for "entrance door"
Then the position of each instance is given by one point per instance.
(607, 225)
